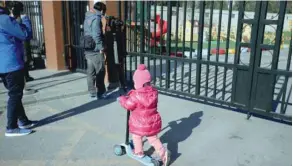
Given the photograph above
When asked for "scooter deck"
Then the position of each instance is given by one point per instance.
(146, 160)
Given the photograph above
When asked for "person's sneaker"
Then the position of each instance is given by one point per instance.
(17, 132)
(93, 95)
(29, 78)
(102, 96)
(27, 125)
(167, 158)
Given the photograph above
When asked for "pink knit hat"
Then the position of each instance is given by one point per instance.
(141, 76)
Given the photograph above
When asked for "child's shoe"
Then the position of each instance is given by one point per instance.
(138, 155)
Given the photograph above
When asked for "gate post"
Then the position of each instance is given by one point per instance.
(52, 20)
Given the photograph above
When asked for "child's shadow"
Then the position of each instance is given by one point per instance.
(179, 131)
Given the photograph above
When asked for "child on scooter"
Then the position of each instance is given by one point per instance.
(145, 120)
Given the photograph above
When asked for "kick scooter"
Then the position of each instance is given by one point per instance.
(127, 148)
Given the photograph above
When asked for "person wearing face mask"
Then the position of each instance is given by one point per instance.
(12, 35)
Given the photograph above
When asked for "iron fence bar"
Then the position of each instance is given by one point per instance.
(199, 47)
(191, 45)
(149, 26)
(237, 50)
(169, 20)
(125, 7)
(161, 29)
(269, 22)
(274, 115)
(149, 29)
(283, 108)
(142, 30)
(183, 45)
(248, 21)
(130, 28)
(257, 39)
(176, 45)
(209, 47)
(274, 72)
(155, 32)
(279, 34)
(130, 38)
(290, 91)
(135, 33)
(289, 55)
(284, 89)
(213, 63)
(265, 46)
(227, 47)
(155, 26)
(218, 47)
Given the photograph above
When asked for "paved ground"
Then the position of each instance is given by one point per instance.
(76, 130)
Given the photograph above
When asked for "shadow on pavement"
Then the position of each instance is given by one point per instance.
(179, 131)
(112, 97)
(56, 75)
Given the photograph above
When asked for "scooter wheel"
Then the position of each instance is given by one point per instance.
(155, 162)
(119, 150)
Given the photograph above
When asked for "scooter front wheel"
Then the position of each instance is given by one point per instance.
(155, 162)
(119, 150)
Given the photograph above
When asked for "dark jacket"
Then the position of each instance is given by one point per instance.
(93, 27)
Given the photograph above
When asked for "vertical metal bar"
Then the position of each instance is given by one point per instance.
(149, 29)
(161, 39)
(279, 32)
(209, 48)
(257, 35)
(135, 32)
(161, 29)
(289, 56)
(127, 128)
(283, 108)
(142, 30)
(227, 49)
(169, 20)
(125, 7)
(199, 47)
(176, 45)
(241, 9)
(155, 28)
(191, 45)
(130, 39)
(218, 47)
(183, 46)
(155, 32)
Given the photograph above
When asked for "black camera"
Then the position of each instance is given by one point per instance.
(114, 24)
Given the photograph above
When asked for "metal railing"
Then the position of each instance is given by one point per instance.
(216, 52)
(34, 11)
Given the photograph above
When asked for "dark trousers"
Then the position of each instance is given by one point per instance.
(95, 73)
(14, 83)
(26, 70)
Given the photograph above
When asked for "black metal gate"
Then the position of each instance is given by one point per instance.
(34, 10)
(233, 54)
(73, 17)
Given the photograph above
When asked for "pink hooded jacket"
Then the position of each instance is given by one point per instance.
(144, 119)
